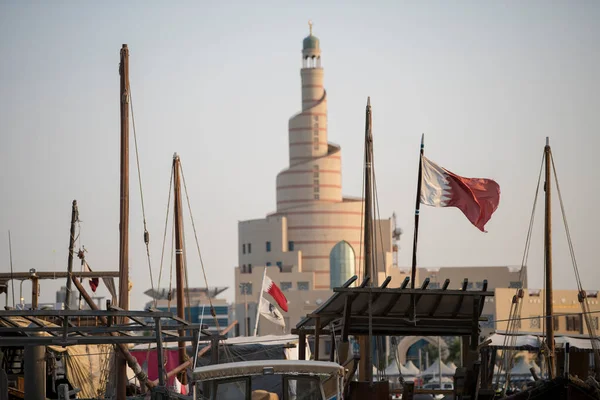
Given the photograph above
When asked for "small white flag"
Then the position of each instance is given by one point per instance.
(270, 312)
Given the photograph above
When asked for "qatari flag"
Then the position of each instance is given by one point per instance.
(477, 198)
(270, 287)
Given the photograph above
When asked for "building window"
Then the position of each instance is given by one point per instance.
(341, 264)
(534, 323)
(290, 246)
(479, 285)
(280, 265)
(244, 269)
(595, 322)
(470, 286)
(303, 286)
(244, 248)
(249, 248)
(316, 143)
(246, 288)
(556, 324)
(573, 323)
(268, 264)
(285, 286)
(434, 285)
(516, 285)
(249, 268)
(316, 197)
(316, 189)
(316, 171)
(268, 247)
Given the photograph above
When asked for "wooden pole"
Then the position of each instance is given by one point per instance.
(129, 359)
(35, 290)
(12, 281)
(124, 211)
(159, 353)
(548, 263)
(188, 363)
(366, 362)
(179, 258)
(413, 272)
(74, 218)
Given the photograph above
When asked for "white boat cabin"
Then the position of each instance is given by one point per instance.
(270, 380)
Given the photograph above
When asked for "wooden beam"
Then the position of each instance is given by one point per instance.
(412, 306)
(347, 312)
(301, 345)
(397, 293)
(460, 299)
(375, 296)
(475, 326)
(317, 334)
(439, 298)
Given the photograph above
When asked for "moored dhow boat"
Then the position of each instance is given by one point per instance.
(270, 380)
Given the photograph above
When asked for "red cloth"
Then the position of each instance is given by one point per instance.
(271, 288)
(477, 198)
(172, 361)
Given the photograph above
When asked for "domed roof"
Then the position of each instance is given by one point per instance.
(310, 42)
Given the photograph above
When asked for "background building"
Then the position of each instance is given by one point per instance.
(313, 241)
(413, 348)
(198, 308)
(568, 318)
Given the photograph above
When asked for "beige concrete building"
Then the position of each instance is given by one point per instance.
(568, 318)
(497, 277)
(313, 241)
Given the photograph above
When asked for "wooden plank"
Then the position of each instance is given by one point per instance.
(439, 298)
(460, 300)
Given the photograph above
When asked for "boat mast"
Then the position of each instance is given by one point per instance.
(124, 212)
(74, 218)
(179, 259)
(366, 363)
(548, 264)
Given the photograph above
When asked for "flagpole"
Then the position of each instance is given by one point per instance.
(413, 273)
(260, 296)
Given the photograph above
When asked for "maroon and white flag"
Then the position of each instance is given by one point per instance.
(270, 287)
(94, 282)
(477, 198)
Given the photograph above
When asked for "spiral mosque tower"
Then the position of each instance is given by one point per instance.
(312, 242)
(309, 191)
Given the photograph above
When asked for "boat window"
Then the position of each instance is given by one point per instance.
(302, 388)
(232, 390)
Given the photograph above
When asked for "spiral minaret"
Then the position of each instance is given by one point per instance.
(309, 191)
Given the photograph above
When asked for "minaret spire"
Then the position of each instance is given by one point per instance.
(310, 24)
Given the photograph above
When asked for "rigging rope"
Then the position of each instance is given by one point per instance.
(516, 306)
(137, 161)
(162, 255)
(582, 297)
(212, 308)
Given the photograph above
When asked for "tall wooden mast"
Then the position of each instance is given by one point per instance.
(124, 211)
(179, 254)
(549, 312)
(366, 363)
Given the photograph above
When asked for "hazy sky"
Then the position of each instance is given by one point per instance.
(217, 82)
